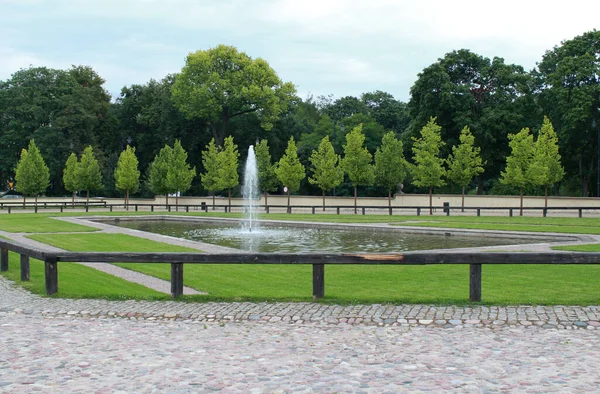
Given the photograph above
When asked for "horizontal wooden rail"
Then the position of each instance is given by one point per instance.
(317, 260)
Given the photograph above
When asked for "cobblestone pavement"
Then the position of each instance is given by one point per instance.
(83, 346)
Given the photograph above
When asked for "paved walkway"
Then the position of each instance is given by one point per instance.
(82, 346)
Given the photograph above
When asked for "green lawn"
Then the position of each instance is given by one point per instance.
(441, 284)
(38, 223)
(579, 248)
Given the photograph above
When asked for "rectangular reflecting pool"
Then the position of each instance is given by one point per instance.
(317, 238)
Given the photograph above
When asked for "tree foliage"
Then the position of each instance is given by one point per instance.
(545, 168)
(228, 161)
(210, 177)
(327, 172)
(69, 179)
(87, 172)
(517, 164)
(428, 170)
(390, 165)
(289, 170)
(357, 160)
(465, 161)
(127, 174)
(158, 172)
(221, 83)
(32, 174)
(179, 173)
(267, 179)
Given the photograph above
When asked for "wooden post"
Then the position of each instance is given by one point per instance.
(545, 211)
(151, 208)
(580, 212)
(24, 268)
(510, 212)
(9, 209)
(478, 211)
(363, 210)
(338, 210)
(4, 260)
(418, 211)
(187, 208)
(136, 207)
(111, 208)
(475, 282)
(318, 281)
(176, 280)
(313, 210)
(61, 209)
(51, 268)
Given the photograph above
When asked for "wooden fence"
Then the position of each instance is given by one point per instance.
(362, 209)
(317, 260)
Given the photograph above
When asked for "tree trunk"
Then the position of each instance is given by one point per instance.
(127, 199)
(521, 207)
(546, 198)
(167, 199)
(389, 198)
(87, 201)
(176, 201)
(213, 193)
(463, 200)
(479, 185)
(35, 201)
(266, 201)
(24, 200)
(288, 192)
(323, 200)
(355, 199)
(73, 198)
(430, 200)
(229, 195)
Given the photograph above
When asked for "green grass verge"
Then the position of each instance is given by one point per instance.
(579, 248)
(78, 281)
(38, 223)
(448, 284)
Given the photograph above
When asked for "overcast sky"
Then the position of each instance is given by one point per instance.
(322, 46)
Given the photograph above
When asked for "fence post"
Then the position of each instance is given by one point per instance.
(510, 212)
(545, 211)
(51, 270)
(4, 260)
(61, 209)
(176, 280)
(475, 282)
(151, 208)
(136, 207)
(187, 208)
(580, 212)
(318, 281)
(338, 210)
(9, 209)
(418, 211)
(363, 210)
(24, 268)
(313, 210)
(478, 211)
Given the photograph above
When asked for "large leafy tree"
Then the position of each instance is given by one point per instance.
(179, 174)
(32, 174)
(390, 165)
(127, 174)
(289, 170)
(545, 168)
(387, 111)
(465, 161)
(157, 176)
(267, 179)
(428, 170)
(569, 85)
(87, 172)
(210, 177)
(488, 95)
(63, 110)
(327, 173)
(69, 179)
(221, 83)
(517, 164)
(228, 161)
(357, 161)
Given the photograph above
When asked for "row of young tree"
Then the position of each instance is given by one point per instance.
(221, 92)
(530, 162)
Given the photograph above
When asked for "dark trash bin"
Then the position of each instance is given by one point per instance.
(447, 208)
(203, 206)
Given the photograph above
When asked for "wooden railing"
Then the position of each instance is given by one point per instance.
(418, 210)
(317, 260)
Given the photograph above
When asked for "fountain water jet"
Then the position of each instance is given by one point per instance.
(250, 190)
